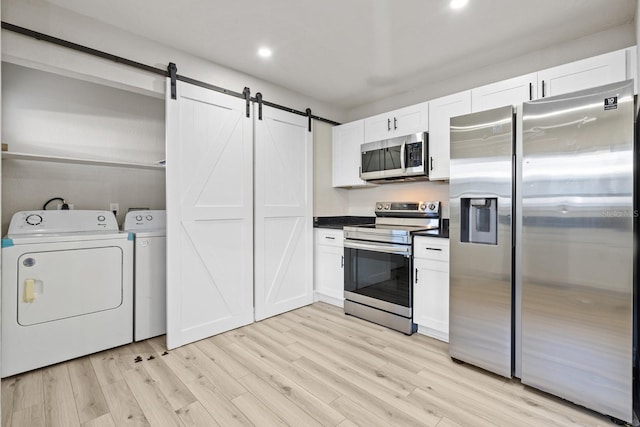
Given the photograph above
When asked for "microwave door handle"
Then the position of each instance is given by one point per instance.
(403, 152)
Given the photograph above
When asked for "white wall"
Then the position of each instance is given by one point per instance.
(362, 200)
(584, 47)
(327, 201)
(49, 114)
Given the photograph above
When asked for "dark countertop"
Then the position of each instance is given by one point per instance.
(337, 222)
(444, 234)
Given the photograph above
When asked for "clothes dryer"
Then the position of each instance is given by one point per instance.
(67, 287)
(150, 277)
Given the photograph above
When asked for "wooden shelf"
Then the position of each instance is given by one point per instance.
(72, 160)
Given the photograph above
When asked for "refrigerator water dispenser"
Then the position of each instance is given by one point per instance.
(479, 220)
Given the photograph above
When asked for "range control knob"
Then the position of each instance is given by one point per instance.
(149, 217)
(432, 206)
(101, 218)
(379, 206)
(423, 206)
(33, 219)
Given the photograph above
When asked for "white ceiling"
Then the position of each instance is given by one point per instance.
(351, 52)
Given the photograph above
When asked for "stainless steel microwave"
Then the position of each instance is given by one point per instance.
(400, 158)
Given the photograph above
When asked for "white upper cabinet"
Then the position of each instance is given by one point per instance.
(403, 121)
(440, 111)
(591, 72)
(347, 139)
(508, 92)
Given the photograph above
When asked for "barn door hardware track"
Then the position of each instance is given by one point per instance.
(171, 72)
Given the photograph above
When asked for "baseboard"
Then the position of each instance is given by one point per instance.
(339, 302)
(433, 333)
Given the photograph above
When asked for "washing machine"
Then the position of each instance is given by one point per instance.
(67, 287)
(150, 272)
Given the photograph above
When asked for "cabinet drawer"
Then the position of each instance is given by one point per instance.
(329, 237)
(436, 249)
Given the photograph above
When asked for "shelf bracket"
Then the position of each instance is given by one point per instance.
(247, 98)
(308, 110)
(172, 70)
(259, 99)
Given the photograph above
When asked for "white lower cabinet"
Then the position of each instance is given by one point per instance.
(329, 266)
(431, 286)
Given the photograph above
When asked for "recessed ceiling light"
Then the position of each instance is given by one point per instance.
(458, 4)
(264, 52)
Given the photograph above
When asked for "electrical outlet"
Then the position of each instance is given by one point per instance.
(114, 207)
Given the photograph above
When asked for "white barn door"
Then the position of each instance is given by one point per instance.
(209, 214)
(283, 213)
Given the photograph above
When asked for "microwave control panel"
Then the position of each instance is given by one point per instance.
(414, 154)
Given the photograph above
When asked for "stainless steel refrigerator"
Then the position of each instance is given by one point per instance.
(560, 200)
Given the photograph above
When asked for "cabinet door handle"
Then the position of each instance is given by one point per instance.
(433, 249)
(329, 238)
(342, 262)
(543, 88)
(388, 124)
(431, 163)
(395, 123)
(530, 91)
(416, 275)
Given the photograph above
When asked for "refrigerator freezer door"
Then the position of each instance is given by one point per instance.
(577, 247)
(481, 187)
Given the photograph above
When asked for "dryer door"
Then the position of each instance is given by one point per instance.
(66, 283)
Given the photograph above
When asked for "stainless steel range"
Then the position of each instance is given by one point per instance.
(378, 263)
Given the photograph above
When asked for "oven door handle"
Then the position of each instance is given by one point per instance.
(379, 247)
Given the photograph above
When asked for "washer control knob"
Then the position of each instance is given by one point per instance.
(379, 206)
(423, 206)
(149, 217)
(101, 218)
(33, 219)
(139, 218)
(387, 206)
(432, 206)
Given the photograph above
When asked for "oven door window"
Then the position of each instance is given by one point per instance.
(378, 275)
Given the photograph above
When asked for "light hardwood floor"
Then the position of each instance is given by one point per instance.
(309, 367)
